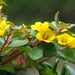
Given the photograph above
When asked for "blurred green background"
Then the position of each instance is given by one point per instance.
(30, 11)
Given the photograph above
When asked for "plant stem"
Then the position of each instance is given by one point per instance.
(8, 50)
(22, 60)
(4, 38)
(58, 31)
(22, 68)
(44, 60)
(11, 54)
(5, 42)
(11, 57)
(26, 57)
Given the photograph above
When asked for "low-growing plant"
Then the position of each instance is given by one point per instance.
(22, 47)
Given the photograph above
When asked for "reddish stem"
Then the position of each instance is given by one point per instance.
(21, 60)
(4, 38)
(58, 49)
(58, 31)
(19, 63)
(44, 60)
(11, 54)
(10, 58)
(29, 66)
(26, 57)
(33, 45)
(5, 42)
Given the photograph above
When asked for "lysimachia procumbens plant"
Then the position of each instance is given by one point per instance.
(22, 47)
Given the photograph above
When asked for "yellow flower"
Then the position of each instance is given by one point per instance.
(3, 27)
(1, 7)
(30, 36)
(64, 30)
(38, 25)
(24, 26)
(46, 24)
(73, 34)
(21, 30)
(64, 39)
(72, 44)
(45, 34)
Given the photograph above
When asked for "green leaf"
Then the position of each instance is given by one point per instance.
(72, 29)
(11, 65)
(59, 46)
(57, 18)
(29, 71)
(31, 62)
(69, 52)
(46, 64)
(65, 70)
(17, 34)
(24, 54)
(11, 23)
(17, 27)
(32, 32)
(52, 26)
(49, 49)
(16, 43)
(17, 38)
(37, 53)
(3, 3)
(26, 48)
(8, 69)
(62, 25)
(62, 56)
(38, 66)
(46, 71)
(54, 67)
(71, 70)
(1, 41)
(6, 48)
(58, 72)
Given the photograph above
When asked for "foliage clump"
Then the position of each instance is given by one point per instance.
(24, 46)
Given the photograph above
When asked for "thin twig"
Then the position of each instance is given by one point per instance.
(8, 50)
(44, 60)
(26, 57)
(58, 31)
(20, 68)
(8, 43)
(5, 42)
(10, 58)
(21, 61)
(15, 51)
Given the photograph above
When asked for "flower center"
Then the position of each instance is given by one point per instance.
(45, 36)
(64, 40)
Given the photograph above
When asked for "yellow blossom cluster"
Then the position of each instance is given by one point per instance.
(47, 35)
(3, 25)
(66, 39)
(44, 32)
